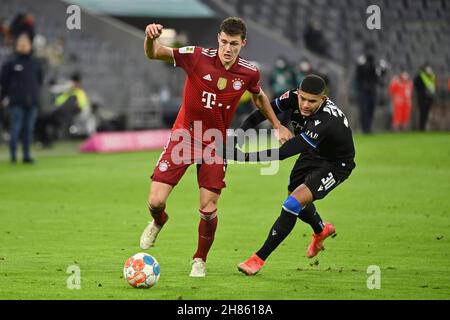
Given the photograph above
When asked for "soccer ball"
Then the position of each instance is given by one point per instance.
(141, 270)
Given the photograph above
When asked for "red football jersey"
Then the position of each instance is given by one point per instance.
(212, 93)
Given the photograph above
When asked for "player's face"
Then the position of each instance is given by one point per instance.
(229, 47)
(23, 44)
(309, 103)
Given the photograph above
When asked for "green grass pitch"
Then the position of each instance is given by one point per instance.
(90, 209)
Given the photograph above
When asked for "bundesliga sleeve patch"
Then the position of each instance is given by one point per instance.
(184, 50)
(284, 95)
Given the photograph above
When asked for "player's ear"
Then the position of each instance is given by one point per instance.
(244, 42)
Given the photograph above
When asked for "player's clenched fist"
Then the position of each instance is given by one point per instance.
(283, 134)
(153, 30)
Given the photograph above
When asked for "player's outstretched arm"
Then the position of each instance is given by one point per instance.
(262, 103)
(153, 49)
(256, 117)
(292, 147)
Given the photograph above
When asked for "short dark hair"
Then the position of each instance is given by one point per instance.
(313, 84)
(76, 77)
(234, 26)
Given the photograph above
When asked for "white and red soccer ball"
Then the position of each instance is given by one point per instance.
(141, 270)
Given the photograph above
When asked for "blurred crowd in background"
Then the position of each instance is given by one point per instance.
(38, 102)
(370, 77)
(55, 105)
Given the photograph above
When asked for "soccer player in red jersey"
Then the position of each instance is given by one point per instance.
(215, 81)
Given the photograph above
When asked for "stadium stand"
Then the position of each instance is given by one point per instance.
(412, 32)
(415, 29)
(118, 78)
(115, 72)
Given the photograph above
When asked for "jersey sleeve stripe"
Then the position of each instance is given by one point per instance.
(244, 62)
(209, 55)
(308, 140)
(209, 52)
(173, 56)
(277, 102)
(246, 66)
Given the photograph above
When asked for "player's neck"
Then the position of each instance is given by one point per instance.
(227, 65)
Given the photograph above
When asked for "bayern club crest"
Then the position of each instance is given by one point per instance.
(163, 166)
(237, 84)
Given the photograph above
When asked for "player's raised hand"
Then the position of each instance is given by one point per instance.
(283, 134)
(153, 31)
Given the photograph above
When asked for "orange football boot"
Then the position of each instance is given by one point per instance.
(251, 266)
(317, 240)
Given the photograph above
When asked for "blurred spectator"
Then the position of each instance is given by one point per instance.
(281, 80)
(55, 52)
(67, 106)
(4, 32)
(322, 71)
(21, 78)
(281, 77)
(301, 70)
(23, 23)
(425, 88)
(367, 77)
(40, 52)
(40, 46)
(314, 38)
(400, 90)
(108, 121)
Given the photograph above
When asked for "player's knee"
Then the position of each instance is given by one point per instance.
(208, 205)
(155, 204)
(157, 199)
(292, 205)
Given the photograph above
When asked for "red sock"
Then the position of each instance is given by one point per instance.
(206, 231)
(159, 215)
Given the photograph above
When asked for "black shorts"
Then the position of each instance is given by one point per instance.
(319, 176)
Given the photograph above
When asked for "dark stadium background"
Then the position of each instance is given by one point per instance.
(128, 92)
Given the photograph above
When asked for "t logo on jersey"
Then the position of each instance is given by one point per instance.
(210, 99)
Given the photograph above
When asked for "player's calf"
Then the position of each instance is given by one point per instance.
(157, 211)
